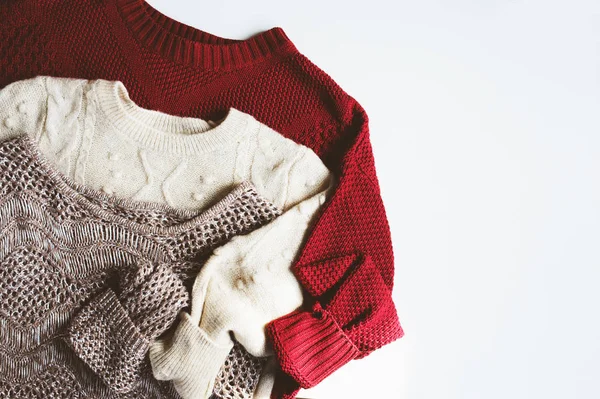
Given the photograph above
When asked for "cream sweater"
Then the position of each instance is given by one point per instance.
(95, 134)
(99, 137)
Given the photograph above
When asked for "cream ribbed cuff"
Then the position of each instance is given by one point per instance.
(190, 359)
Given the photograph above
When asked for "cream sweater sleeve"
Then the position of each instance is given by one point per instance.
(296, 180)
(46, 109)
(248, 282)
(22, 108)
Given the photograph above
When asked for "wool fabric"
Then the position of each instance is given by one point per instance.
(62, 244)
(174, 68)
(235, 295)
(83, 127)
(111, 334)
(94, 133)
(360, 299)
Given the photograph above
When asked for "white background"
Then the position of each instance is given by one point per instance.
(485, 122)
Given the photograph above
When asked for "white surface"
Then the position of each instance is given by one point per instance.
(486, 130)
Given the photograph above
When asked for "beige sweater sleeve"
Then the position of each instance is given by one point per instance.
(22, 108)
(296, 180)
(46, 109)
(248, 282)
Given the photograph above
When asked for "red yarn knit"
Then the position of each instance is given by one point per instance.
(180, 70)
(353, 315)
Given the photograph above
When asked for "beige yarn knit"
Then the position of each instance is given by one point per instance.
(94, 133)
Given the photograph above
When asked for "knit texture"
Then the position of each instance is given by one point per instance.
(105, 338)
(95, 134)
(239, 376)
(312, 346)
(179, 70)
(84, 126)
(112, 334)
(190, 352)
(62, 246)
(235, 296)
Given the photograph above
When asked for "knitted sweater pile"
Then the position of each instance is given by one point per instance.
(62, 245)
(95, 134)
(179, 70)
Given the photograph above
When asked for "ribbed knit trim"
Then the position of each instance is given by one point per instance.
(91, 199)
(168, 133)
(192, 360)
(106, 339)
(187, 45)
(107, 304)
(310, 346)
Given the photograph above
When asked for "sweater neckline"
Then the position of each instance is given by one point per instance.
(169, 133)
(187, 45)
(103, 205)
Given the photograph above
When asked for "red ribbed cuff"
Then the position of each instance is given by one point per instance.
(310, 345)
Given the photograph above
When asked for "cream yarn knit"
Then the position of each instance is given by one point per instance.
(95, 134)
(246, 284)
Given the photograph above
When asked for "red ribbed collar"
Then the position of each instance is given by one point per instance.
(187, 45)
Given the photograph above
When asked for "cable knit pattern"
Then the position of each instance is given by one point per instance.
(61, 244)
(122, 149)
(87, 134)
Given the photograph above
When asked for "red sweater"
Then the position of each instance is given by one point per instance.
(180, 70)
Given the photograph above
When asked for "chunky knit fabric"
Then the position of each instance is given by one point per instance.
(360, 298)
(236, 294)
(239, 376)
(95, 134)
(180, 70)
(112, 333)
(63, 245)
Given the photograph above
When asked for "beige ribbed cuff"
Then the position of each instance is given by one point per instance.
(104, 337)
(190, 359)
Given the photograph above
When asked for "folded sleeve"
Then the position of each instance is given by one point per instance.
(352, 314)
(113, 332)
(105, 338)
(191, 359)
(262, 260)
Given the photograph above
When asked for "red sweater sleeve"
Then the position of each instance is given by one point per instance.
(354, 220)
(351, 316)
(347, 270)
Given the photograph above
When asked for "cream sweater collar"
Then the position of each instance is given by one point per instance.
(163, 132)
